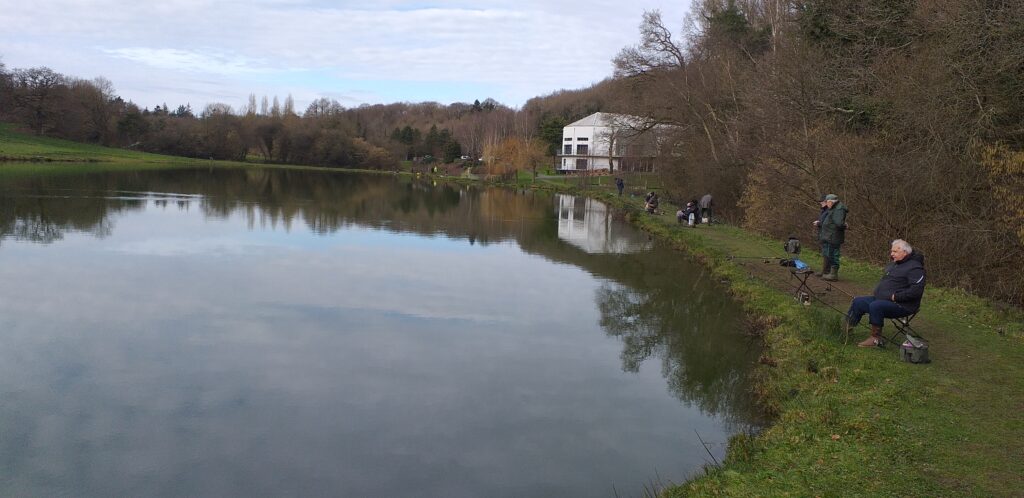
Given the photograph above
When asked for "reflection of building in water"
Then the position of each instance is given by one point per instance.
(588, 224)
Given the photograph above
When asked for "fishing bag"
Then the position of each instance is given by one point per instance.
(792, 246)
(914, 350)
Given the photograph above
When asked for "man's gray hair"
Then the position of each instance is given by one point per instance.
(902, 244)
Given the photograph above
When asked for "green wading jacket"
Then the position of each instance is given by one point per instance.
(833, 228)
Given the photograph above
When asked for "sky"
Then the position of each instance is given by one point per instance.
(205, 51)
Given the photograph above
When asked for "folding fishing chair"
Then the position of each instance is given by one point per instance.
(913, 348)
(902, 328)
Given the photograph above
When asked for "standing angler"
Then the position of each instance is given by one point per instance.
(831, 233)
(825, 265)
(705, 209)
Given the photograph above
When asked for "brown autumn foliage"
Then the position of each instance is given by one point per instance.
(48, 103)
(909, 110)
(513, 154)
(1005, 169)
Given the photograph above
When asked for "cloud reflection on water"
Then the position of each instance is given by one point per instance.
(326, 356)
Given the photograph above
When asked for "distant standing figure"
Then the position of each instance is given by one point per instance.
(832, 233)
(619, 184)
(705, 208)
(826, 265)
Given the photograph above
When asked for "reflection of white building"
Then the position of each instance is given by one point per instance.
(608, 141)
(588, 224)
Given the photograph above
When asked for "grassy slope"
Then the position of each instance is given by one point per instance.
(19, 146)
(22, 152)
(853, 421)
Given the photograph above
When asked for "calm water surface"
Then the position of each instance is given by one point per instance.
(282, 333)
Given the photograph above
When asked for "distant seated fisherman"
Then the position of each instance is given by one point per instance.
(651, 204)
(898, 294)
(692, 213)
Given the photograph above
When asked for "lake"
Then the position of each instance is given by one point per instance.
(266, 332)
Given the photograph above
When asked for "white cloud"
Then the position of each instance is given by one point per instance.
(185, 60)
(493, 48)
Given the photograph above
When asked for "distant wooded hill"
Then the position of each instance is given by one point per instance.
(325, 133)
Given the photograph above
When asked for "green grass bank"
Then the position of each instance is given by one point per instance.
(847, 421)
(850, 421)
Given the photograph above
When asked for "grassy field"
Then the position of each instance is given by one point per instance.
(19, 146)
(851, 421)
(22, 152)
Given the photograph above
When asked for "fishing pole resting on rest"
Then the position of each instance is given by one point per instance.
(791, 246)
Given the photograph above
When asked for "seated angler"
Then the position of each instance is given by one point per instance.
(898, 294)
(651, 204)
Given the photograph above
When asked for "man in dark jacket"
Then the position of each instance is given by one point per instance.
(825, 264)
(898, 294)
(705, 208)
(831, 233)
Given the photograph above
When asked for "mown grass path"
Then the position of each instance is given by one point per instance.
(858, 422)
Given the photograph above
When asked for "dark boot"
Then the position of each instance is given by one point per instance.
(832, 275)
(874, 340)
(826, 266)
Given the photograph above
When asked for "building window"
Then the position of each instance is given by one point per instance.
(568, 139)
(581, 164)
(582, 139)
(581, 149)
(567, 150)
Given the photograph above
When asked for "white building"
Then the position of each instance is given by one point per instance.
(586, 144)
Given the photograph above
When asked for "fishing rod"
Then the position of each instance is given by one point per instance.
(791, 246)
(765, 258)
(788, 283)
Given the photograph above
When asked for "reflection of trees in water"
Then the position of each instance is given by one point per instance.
(658, 308)
(33, 229)
(662, 305)
(323, 202)
(704, 357)
(37, 215)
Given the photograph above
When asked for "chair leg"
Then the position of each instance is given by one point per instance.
(902, 328)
